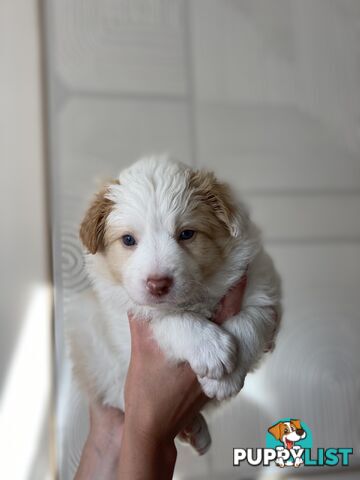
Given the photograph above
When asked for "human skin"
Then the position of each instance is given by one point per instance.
(161, 399)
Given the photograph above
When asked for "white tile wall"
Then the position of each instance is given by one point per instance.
(105, 134)
(270, 147)
(266, 92)
(120, 46)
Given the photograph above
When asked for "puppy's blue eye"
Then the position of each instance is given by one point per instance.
(128, 240)
(186, 234)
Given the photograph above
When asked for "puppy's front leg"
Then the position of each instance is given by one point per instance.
(210, 350)
(252, 329)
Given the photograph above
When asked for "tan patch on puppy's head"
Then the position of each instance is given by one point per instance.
(210, 192)
(92, 228)
(212, 213)
(208, 249)
(116, 257)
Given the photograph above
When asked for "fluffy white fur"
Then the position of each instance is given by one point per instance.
(154, 198)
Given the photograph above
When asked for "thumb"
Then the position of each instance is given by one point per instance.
(139, 330)
(230, 304)
(134, 325)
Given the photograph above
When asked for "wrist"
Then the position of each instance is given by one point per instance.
(106, 443)
(146, 435)
(147, 427)
(143, 449)
(107, 425)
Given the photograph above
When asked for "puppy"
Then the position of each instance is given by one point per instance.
(167, 242)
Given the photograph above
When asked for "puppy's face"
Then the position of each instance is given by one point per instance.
(162, 230)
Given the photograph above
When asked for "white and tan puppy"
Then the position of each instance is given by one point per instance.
(167, 242)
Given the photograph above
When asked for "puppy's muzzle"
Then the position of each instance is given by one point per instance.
(159, 286)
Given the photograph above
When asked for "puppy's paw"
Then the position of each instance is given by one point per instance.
(215, 356)
(223, 389)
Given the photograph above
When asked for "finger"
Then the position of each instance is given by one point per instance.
(139, 330)
(142, 339)
(133, 324)
(230, 304)
(195, 408)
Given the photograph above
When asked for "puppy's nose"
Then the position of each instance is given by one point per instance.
(300, 431)
(159, 285)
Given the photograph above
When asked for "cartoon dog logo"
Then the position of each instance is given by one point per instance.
(288, 433)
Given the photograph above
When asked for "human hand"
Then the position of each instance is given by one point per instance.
(166, 394)
(230, 304)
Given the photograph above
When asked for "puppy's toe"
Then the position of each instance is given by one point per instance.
(222, 389)
(208, 386)
(222, 356)
(215, 355)
(199, 367)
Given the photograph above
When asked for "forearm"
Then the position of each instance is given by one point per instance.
(180, 334)
(99, 459)
(142, 457)
(101, 452)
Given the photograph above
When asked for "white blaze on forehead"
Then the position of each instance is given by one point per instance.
(151, 192)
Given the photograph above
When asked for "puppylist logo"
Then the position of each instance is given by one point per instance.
(288, 444)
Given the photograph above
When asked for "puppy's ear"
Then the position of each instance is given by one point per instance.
(218, 195)
(296, 423)
(275, 431)
(92, 228)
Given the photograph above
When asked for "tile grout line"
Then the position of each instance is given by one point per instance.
(189, 69)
